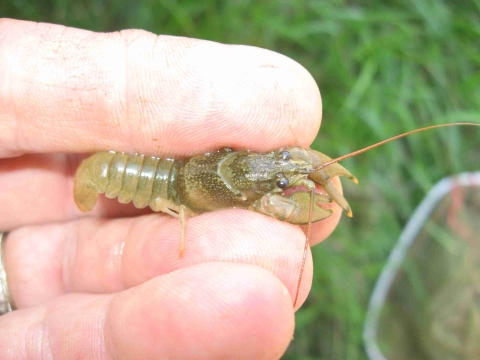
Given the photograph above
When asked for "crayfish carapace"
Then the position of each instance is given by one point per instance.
(262, 182)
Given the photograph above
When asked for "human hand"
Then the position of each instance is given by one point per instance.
(110, 283)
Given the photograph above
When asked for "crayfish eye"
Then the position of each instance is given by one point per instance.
(281, 180)
(284, 155)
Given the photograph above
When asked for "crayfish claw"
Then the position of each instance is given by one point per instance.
(294, 209)
(329, 171)
(337, 197)
(339, 170)
(302, 200)
(323, 175)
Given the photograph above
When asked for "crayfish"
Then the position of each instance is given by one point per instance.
(222, 180)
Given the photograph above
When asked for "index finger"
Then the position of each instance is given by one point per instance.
(71, 90)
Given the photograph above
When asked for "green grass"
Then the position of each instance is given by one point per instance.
(383, 67)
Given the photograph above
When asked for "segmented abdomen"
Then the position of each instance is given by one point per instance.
(147, 181)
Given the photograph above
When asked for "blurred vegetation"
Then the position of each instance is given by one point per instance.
(383, 67)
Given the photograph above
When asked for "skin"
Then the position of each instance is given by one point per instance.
(109, 284)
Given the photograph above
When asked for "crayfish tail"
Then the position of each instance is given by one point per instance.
(90, 180)
(85, 197)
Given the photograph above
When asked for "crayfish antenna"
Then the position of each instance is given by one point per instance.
(358, 152)
(307, 242)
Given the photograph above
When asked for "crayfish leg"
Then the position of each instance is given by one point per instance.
(182, 213)
(183, 222)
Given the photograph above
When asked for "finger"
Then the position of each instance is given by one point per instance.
(208, 311)
(103, 256)
(71, 90)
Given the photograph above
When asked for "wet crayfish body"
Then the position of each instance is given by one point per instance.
(213, 181)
